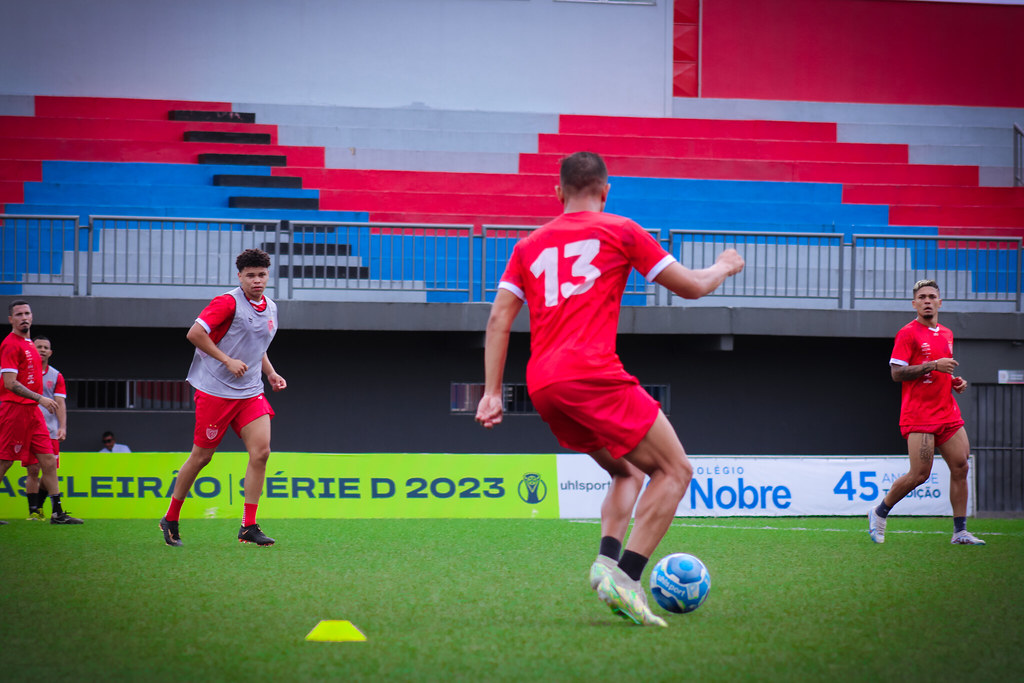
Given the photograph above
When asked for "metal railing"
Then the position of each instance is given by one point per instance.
(165, 395)
(41, 249)
(976, 269)
(1018, 156)
(143, 256)
(784, 265)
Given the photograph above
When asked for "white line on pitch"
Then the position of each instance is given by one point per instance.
(802, 528)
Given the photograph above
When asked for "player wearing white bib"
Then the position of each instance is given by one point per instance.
(231, 337)
(53, 388)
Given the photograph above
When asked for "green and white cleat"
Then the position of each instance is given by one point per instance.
(601, 568)
(627, 599)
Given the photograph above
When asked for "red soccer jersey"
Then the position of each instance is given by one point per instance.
(572, 273)
(19, 355)
(928, 399)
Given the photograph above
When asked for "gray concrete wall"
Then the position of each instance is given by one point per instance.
(498, 55)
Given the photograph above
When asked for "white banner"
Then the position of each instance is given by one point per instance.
(770, 486)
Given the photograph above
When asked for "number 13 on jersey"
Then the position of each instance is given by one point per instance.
(582, 253)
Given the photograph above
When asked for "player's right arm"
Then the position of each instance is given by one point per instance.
(903, 352)
(504, 310)
(693, 284)
(201, 339)
(12, 385)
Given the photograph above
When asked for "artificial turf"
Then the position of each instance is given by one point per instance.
(793, 599)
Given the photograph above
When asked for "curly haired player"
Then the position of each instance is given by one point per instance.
(231, 337)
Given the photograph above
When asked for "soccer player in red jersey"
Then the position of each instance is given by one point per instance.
(571, 273)
(922, 360)
(23, 433)
(231, 337)
(57, 424)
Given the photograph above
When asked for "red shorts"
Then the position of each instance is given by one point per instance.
(943, 432)
(214, 414)
(23, 432)
(33, 460)
(588, 415)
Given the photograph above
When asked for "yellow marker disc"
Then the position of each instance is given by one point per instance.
(335, 631)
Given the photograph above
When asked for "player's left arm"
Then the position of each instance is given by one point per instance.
(62, 418)
(277, 382)
(959, 385)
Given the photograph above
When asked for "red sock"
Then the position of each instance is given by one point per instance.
(174, 511)
(249, 516)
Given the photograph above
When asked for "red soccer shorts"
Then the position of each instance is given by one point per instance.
(214, 414)
(23, 432)
(588, 415)
(33, 460)
(943, 432)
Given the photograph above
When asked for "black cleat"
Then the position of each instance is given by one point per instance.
(64, 518)
(170, 529)
(2, 522)
(253, 534)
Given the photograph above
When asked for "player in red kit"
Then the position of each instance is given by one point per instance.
(231, 337)
(571, 273)
(23, 433)
(922, 360)
(56, 422)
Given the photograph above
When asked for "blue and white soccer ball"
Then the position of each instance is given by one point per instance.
(680, 583)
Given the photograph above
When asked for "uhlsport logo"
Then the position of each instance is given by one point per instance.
(532, 488)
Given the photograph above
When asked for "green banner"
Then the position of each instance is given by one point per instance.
(303, 485)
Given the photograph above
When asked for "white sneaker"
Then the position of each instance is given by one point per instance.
(627, 599)
(876, 526)
(602, 566)
(965, 537)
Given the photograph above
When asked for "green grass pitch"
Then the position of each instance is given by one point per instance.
(793, 599)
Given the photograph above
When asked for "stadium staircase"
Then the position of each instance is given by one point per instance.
(419, 167)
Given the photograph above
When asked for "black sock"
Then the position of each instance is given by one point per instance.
(882, 510)
(610, 547)
(633, 564)
(35, 501)
(55, 500)
(42, 493)
(959, 524)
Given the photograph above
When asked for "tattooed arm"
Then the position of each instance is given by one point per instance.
(906, 373)
(12, 385)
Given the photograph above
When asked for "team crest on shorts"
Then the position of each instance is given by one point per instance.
(212, 431)
(17, 448)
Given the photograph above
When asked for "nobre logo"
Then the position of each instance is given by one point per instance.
(532, 489)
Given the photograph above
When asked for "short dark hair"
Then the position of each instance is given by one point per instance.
(41, 337)
(925, 283)
(106, 434)
(252, 258)
(16, 302)
(583, 173)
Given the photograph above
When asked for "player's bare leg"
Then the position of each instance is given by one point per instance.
(955, 452)
(256, 437)
(198, 459)
(662, 457)
(616, 510)
(921, 450)
(48, 474)
(32, 483)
